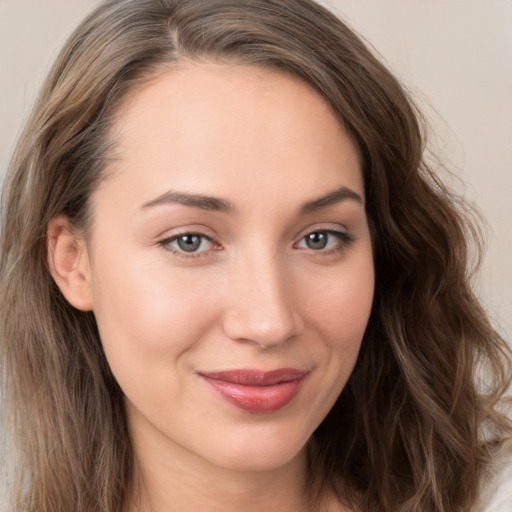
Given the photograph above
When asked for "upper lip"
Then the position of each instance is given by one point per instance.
(256, 377)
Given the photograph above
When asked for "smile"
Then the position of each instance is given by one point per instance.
(256, 391)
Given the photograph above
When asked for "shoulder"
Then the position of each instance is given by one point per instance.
(496, 494)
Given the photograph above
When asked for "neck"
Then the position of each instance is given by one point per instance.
(169, 478)
(177, 487)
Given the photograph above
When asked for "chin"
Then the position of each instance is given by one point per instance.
(259, 451)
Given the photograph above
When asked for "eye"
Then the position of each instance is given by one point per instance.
(326, 241)
(188, 244)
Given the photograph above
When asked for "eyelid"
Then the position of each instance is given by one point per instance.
(328, 227)
(345, 239)
(165, 243)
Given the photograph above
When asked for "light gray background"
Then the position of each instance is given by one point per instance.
(455, 56)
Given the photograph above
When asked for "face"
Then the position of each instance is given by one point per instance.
(230, 263)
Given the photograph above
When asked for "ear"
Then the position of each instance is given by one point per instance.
(68, 260)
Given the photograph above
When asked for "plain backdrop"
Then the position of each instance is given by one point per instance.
(454, 56)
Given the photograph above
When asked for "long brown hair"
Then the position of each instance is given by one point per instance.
(411, 431)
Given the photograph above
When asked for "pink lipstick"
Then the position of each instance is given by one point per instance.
(256, 391)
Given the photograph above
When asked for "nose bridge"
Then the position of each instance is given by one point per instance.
(261, 308)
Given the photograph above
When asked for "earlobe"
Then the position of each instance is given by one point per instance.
(68, 261)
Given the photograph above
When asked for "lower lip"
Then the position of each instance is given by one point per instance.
(256, 399)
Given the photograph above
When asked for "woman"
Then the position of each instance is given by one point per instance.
(229, 280)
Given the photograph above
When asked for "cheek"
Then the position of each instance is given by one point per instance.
(341, 305)
(337, 311)
(150, 322)
(146, 313)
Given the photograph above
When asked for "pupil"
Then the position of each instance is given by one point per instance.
(317, 240)
(189, 243)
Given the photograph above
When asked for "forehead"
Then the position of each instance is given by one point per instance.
(212, 127)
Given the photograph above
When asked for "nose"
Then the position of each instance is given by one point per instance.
(262, 309)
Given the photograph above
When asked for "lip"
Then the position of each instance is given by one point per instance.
(254, 390)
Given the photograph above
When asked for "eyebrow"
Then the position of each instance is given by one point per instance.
(216, 204)
(193, 201)
(330, 199)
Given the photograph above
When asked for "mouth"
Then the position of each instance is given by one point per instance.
(256, 391)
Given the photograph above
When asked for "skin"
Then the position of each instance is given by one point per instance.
(255, 293)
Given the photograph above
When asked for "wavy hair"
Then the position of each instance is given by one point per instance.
(413, 428)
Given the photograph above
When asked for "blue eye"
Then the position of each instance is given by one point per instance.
(188, 243)
(317, 240)
(325, 240)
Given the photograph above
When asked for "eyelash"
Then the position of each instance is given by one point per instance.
(166, 244)
(344, 241)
